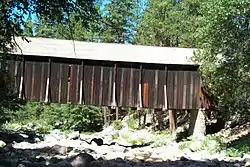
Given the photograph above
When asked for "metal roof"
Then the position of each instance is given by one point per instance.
(104, 51)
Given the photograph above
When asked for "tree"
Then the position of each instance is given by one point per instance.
(169, 23)
(119, 21)
(13, 12)
(224, 42)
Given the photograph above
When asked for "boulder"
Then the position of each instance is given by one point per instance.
(81, 160)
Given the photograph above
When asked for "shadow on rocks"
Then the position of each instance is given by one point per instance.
(99, 142)
(10, 136)
(17, 158)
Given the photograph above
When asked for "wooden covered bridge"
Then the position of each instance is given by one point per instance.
(116, 75)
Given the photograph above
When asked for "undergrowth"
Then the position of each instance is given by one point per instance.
(42, 118)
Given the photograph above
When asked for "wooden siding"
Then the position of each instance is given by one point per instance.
(91, 82)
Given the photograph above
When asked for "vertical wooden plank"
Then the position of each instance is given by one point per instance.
(92, 85)
(60, 83)
(33, 76)
(44, 69)
(165, 107)
(149, 86)
(155, 100)
(28, 80)
(136, 72)
(87, 82)
(184, 90)
(37, 81)
(131, 87)
(77, 90)
(74, 83)
(191, 90)
(120, 82)
(97, 81)
(107, 86)
(188, 73)
(22, 84)
(18, 69)
(195, 89)
(48, 83)
(160, 89)
(81, 99)
(54, 81)
(180, 89)
(101, 87)
(175, 89)
(170, 88)
(140, 88)
(64, 82)
(113, 104)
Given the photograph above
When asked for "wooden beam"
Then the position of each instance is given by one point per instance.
(48, 83)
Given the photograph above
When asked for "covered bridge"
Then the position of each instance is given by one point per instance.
(116, 75)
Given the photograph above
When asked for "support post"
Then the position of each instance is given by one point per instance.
(117, 113)
(48, 82)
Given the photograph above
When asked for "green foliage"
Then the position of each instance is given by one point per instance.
(224, 42)
(169, 23)
(137, 141)
(233, 152)
(65, 117)
(54, 11)
(161, 140)
(117, 124)
(114, 137)
(212, 144)
(132, 124)
(239, 147)
(119, 20)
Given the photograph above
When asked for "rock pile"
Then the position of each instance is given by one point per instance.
(112, 148)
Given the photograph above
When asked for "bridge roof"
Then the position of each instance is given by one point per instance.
(104, 51)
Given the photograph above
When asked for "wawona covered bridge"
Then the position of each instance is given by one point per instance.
(116, 75)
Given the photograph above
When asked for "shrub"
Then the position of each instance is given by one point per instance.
(117, 124)
(61, 116)
(132, 124)
(161, 140)
(212, 144)
(233, 152)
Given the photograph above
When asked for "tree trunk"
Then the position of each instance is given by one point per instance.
(172, 120)
(197, 125)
